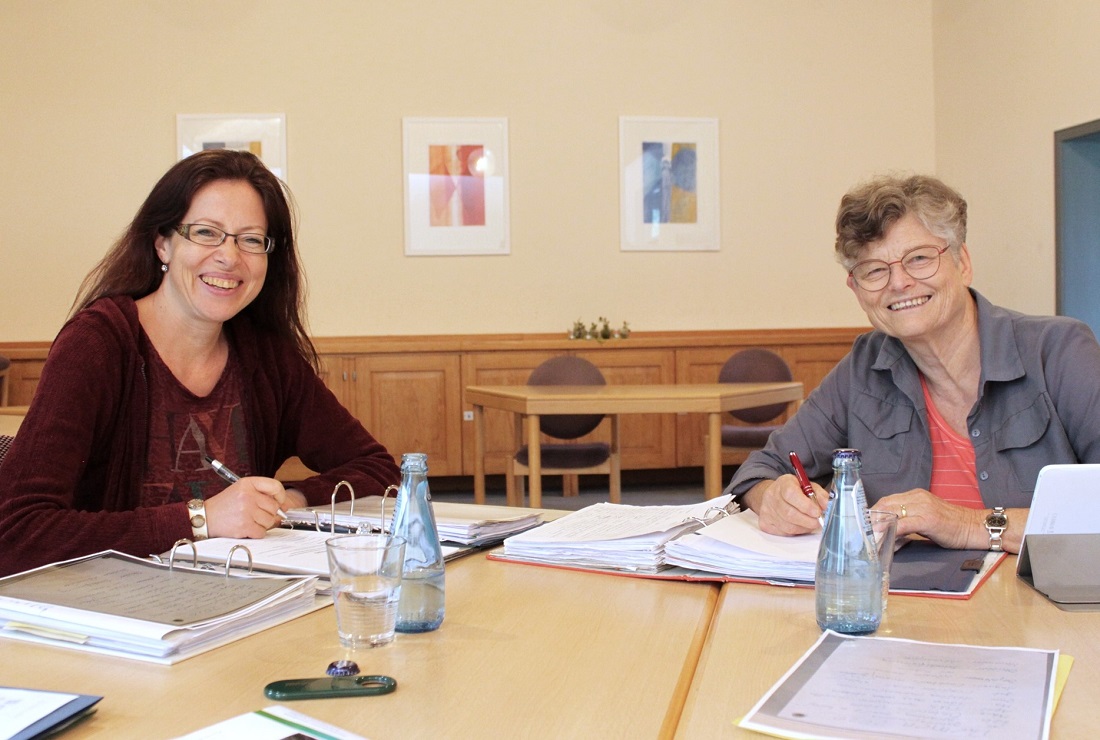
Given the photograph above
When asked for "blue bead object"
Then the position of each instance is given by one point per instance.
(342, 668)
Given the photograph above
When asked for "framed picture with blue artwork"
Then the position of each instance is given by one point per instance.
(668, 196)
(262, 134)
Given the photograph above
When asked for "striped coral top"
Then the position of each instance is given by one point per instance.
(954, 470)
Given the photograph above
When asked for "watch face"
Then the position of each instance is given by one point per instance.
(996, 520)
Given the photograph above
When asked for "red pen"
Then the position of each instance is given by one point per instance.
(804, 482)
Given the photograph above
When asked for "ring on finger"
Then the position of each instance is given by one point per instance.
(903, 512)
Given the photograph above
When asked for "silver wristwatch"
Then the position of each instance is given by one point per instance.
(995, 523)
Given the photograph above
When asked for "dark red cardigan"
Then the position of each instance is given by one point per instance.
(70, 484)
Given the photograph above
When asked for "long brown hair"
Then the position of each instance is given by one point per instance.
(132, 267)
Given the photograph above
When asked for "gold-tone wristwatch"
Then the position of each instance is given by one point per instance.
(995, 523)
(196, 509)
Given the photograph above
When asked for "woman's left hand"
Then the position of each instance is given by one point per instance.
(948, 525)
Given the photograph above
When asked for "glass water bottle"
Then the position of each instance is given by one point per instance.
(422, 584)
(848, 579)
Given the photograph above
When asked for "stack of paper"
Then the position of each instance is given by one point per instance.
(295, 551)
(466, 524)
(117, 604)
(735, 546)
(617, 536)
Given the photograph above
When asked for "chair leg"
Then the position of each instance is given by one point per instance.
(509, 487)
(570, 485)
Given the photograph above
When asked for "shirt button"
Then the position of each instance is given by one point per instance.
(976, 433)
(983, 475)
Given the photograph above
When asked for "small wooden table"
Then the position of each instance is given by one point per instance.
(10, 419)
(532, 401)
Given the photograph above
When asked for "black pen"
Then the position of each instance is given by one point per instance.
(226, 474)
(229, 476)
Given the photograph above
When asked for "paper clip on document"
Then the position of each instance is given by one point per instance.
(195, 556)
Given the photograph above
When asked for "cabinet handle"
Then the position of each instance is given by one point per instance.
(355, 376)
(345, 376)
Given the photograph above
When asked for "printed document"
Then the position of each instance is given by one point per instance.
(874, 687)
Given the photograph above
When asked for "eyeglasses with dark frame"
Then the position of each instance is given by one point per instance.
(919, 263)
(211, 236)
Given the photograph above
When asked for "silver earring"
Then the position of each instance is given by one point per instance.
(163, 267)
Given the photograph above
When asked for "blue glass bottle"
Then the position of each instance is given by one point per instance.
(422, 583)
(848, 578)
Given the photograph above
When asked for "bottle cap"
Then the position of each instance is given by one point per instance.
(342, 668)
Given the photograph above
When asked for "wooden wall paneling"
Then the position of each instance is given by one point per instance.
(23, 381)
(811, 363)
(412, 403)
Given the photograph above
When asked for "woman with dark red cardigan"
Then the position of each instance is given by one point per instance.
(187, 343)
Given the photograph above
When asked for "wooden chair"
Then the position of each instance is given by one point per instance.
(752, 366)
(568, 459)
(5, 445)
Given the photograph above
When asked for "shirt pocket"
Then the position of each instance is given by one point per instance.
(1020, 440)
(880, 430)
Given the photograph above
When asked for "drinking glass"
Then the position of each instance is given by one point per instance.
(366, 585)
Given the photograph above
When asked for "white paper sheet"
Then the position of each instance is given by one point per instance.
(873, 687)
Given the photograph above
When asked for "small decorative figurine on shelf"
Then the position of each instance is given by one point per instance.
(599, 330)
(605, 328)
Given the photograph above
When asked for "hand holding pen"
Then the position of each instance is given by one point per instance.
(230, 477)
(804, 482)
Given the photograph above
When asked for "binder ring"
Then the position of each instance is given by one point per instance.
(194, 554)
(229, 558)
(385, 493)
(332, 510)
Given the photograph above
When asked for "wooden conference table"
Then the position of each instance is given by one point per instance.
(536, 652)
(758, 633)
(533, 401)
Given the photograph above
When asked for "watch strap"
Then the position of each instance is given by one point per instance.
(996, 523)
(196, 510)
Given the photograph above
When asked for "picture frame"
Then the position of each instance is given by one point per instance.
(456, 186)
(263, 134)
(669, 184)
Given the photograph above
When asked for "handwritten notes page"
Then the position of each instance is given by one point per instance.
(121, 605)
(873, 687)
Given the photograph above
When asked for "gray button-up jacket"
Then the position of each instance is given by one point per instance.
(1038, 404)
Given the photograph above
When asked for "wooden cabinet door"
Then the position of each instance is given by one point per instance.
(412, 403)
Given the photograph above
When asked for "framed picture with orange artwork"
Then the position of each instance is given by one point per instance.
(456, 186)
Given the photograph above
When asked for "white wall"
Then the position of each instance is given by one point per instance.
(811, 97)
(1008, 75)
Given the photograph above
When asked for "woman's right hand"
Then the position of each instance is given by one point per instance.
(246, 509)
(783, 508)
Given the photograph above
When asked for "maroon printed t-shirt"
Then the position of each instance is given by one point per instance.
(183, 428)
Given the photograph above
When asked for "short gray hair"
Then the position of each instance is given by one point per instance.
(869, 209)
